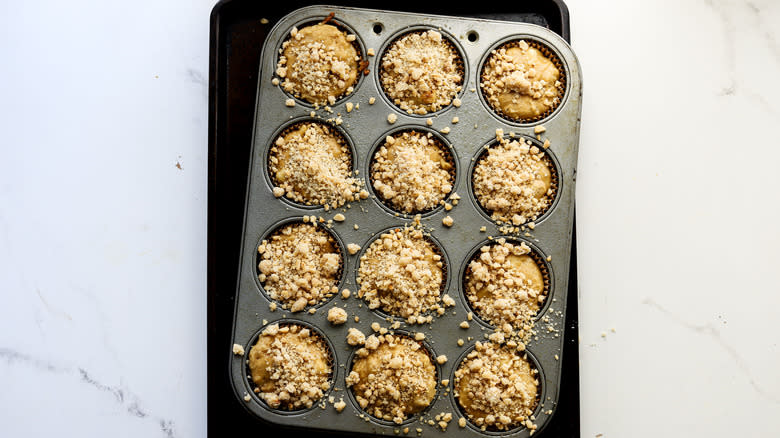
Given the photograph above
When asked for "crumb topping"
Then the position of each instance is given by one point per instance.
(520, 82)
(311, 163)
(290, 367)
(318, 64)
(299, 265)
(413, 171)
(514, 179)
(497, 388)
(421, 72)
(504, 285)
(393, 377)
(402, 272)
(337, 316)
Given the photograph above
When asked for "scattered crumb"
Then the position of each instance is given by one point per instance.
(289, 102)
(391, 118)
(462, 422)
(355, 336)
(447, 221)
(339, 217)
(371, 52)
(238, 350)
(350, 105)
(539, 129)
(460, 342)
(429, 121)
(445, 130)
(464, 325)
(482, 229)
(353, 248)
(419, 336)
(455, 120)
(337, 316)
(340, 405)
(247, 397)
(441, 359)
(371, 100)
(264, 21)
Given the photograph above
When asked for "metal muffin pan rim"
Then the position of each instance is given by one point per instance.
(549, 153)
(442, 290)
(518, 37)
(350, 362)
(341, 25)
(276, 226)
(413, 28)
(541, 392)
(331, 353)
(366, 125)
(370, 161)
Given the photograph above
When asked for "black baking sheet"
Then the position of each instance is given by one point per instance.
(236, 40)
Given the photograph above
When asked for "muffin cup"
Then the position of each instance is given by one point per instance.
(411, 418)
(443, 145)
(541, 393)
(290, 126)
(448, 40)
(537, 257)
(340, 274)
(552, 165)
(357, 44)
(550, 54)
(322, 340)
(437, 248)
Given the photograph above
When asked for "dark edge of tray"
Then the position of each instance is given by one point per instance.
(236, 39)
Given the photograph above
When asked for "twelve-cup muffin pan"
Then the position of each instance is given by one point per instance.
(364, 127)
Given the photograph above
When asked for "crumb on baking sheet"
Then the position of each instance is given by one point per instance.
(337, 315)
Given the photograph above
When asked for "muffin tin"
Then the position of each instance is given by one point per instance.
(364, 127)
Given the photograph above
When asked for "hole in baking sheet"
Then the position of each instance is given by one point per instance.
(472, 36)
(378, 28)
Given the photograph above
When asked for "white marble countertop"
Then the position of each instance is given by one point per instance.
(103, 217)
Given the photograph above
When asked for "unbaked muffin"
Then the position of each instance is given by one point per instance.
(310, 163)
(497, 388)
(514, 180)
(412, 171)
(522, 81)
(504, 284)
(318, 64)
(402, 273)
(290, 367)
(392, 377)
(421, 72)
(299, 265)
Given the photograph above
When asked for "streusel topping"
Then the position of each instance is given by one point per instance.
(299, 265)
(421, 72)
